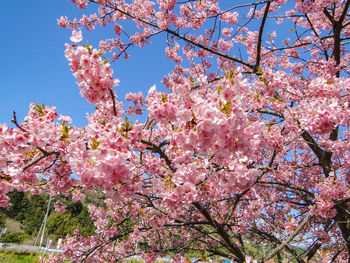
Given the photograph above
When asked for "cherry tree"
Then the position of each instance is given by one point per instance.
(249, 145)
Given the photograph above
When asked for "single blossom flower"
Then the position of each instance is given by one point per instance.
(77, 36)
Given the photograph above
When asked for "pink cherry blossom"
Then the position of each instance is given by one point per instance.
(246, 141)
(76, 36)
(59, 207)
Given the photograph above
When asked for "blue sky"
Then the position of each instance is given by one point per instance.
(33, 66)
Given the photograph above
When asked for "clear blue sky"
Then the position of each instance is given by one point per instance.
(33, 66)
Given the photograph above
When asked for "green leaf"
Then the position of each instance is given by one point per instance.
(39, 109)
(65, 130)
(229, 74)
(219, 89)
(226, 108)
(94, 144)
(88, 47)
(164, 98)
(126, 126)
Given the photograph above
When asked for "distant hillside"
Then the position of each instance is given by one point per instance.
(27, 212)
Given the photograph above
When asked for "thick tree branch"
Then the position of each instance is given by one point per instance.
(45, 154)
(261, 30)
(158, 149)
(113, 100)
(345, 10)
(275, 240)
(285, 243)
(323, 156)
(271, 112)
(230, 245)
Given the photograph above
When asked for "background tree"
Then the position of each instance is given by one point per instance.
(249, 143)
(19, 203)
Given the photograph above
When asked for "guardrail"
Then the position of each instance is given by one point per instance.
(29, 248)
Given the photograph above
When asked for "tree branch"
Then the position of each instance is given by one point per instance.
(45, 154)
(14, 121)
(113, 100)
(275, 240)
(157, 149)
(172, 32)
(262, 25)
(231, 246)
(284, 243)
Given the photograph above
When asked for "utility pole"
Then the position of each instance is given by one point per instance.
(43, 225)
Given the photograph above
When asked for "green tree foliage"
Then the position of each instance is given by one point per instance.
(27, 209)
(61, 224)
(14, 238)
(30, 211)
(2, 219)
(87, 226)
(19, 206)
(35, 213)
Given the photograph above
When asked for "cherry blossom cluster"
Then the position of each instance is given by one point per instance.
(248, 144)
(94, 76)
